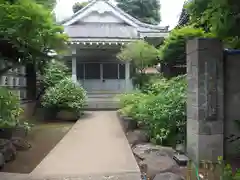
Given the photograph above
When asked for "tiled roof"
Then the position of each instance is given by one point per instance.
(103, 30)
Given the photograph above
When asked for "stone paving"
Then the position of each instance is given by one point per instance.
(95, 148)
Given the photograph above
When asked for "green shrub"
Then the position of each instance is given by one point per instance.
(163, 85)
(129, 102)
(143, 81)
(164, 113)
(65, 95)
(162, 110)
(54, 72)
(10, 109)
(227, 172)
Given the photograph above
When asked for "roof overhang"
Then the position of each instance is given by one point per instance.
(153, 34)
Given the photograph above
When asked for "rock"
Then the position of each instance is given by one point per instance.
(7, 149)
(155, 159)
(2, 160)
(19, 132)
(159, 164)
(167, 176)
(20, 144)
(142, 151)
(127, 123)
(137, 137)
(6, 133)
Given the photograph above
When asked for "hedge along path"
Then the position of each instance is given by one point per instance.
(96, 146)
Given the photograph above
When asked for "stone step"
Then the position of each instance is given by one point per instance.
(101, 95)
(102, 104)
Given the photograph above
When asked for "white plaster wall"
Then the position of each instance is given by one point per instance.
(106, 17)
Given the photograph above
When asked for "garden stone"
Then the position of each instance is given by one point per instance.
(19, 132)
(7, 149)
(143, 151)
(127, 123)
(20, 144)
(2, 160)
(137, 137)
(159, 164)
(6, 133)
(167, 176)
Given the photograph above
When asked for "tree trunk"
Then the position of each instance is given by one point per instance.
(31, 78)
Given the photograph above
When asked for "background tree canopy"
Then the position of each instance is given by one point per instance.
(79, 5)
(147, 11)
(220, 17)
(172, 51)
(215, 18)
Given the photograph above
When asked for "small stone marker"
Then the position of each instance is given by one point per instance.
(181, 159)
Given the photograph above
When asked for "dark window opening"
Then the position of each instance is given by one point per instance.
(110, 71)
(92, 71)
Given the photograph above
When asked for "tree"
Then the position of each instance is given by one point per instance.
(220, 17)
(147, 11)
(27, 34)
(46, 3)
(140, 53)
(79, 5)
(173, 50)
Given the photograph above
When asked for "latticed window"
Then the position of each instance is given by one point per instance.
(21, 81)
(22, 71)
(23, 94)
(6, 81)
(14, 81)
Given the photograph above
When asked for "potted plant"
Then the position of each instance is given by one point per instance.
(66, 99)
(10, 111)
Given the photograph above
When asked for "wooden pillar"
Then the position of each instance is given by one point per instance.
(31, 78)
(127, 76)
(74, 65)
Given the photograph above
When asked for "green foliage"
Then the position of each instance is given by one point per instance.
(147, 11)
(227, 171)
(173, 50)
(162, 110)
(65, 95)
(143, 81)
(220, 17)
(29, 32)
(10, 109)
(129, 101)
(165, 113)
(50, 4)
(79, 5)
(140, 53)
(54, 72)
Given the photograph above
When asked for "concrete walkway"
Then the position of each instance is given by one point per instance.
(95, 148)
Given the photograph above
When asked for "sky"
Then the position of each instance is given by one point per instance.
(170, 10)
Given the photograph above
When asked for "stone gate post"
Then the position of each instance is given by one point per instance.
(205, 99)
